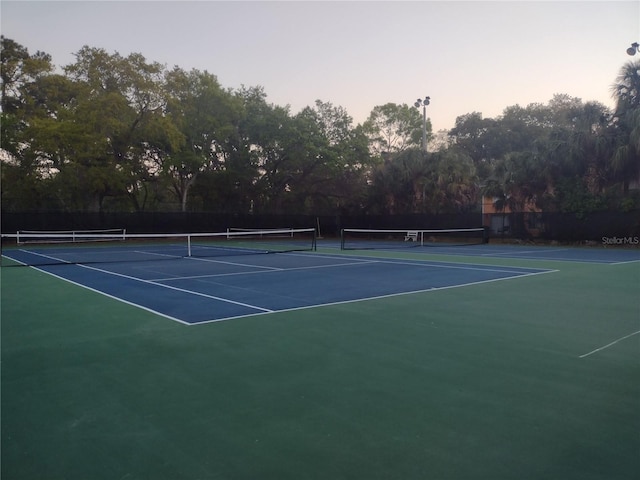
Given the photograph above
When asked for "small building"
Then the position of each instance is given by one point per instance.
(502, 221)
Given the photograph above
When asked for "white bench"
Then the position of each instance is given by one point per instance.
(413, 236)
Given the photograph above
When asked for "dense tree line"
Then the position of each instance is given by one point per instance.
(110, 133)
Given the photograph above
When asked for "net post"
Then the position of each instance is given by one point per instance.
(422, 238)
(188, 245)
(342, 239)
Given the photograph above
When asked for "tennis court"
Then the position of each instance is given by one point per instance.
(195, 290)
(473, 361)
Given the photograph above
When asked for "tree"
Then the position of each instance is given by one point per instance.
(577, 146)
(625, 161)
(453, 182)
(113, 132)
(23, 183)
(308, 163)
(300, 160)
(340, 165)
(259, 156)
(393, 128)
(400, 182)
(115, 103)
(206, 116)
(19, 68)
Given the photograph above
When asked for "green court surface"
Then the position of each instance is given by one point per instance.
(534, 377)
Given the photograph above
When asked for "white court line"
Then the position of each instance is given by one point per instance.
(623, 263)
(565, 260)
(523, 252)
(263, 311)
(481, 268)
(609, 344)
(41, 255)
(127, 302)
(515, 256)
(237, 264)
(429, 263)
(255, 272)
(190, 292)
(366, 299)
(421, 264)
(155, 254)
(30, 252)
(459, 266)
(550, 259)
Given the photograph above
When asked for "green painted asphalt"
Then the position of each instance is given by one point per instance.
(479, 382)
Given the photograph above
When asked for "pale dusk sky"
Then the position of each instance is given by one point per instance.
(468, 56)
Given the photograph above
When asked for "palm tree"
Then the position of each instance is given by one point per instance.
(414, 172)
(400, 182)
(625, 162)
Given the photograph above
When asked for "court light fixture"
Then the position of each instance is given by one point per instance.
(423, 103)
(419, 103)
(635, 47)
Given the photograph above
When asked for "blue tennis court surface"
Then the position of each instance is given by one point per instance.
(564, 254)
(197, 290)
(530, 252)
(194, 290)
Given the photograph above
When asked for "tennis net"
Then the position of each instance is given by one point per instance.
(35, 249)
(69, 236)
(287, 232)
(361, 238)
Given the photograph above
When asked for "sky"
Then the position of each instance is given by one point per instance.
(468, 56)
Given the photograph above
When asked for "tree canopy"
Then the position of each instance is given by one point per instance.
(115, 133)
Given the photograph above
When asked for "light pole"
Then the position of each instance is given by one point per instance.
(423, 103)
(635, 47)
